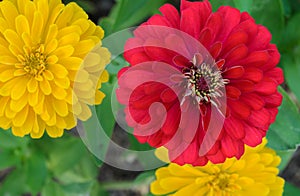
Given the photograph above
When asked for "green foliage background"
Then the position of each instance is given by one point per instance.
(65, 167)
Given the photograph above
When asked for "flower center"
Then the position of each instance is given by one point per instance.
(223, 182)
(35, 62)
(204, 80)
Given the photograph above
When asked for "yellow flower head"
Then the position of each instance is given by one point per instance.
(254, 174)
(42, 47)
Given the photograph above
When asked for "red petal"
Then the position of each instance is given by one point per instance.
(253, 100)
(172, 121)
(253, 136)
(260, 118)
(229, 147)
(219, 157)
(235, 39)
(273, 113)
(266, 86)
(243, 85)
(273, 100)
(206, 37)
(215, 49)
(233, 72)
(232, 92)
(231, 18)
(214, 23)
(237, 53)
(239, 108)
(262, 39)
(257, 58)
(275, 73)
(234, 127)
(253, 74)
(171, 14)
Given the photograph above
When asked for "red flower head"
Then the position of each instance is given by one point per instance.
(214, 74)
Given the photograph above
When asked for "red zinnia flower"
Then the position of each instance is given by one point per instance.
(239, 81)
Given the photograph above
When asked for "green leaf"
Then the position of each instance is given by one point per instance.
(7, 140)
(291, 68)
(285, 156)
(290, 190)
(8, 159)
(290, 39)
(77, 188)
(284, 133)
(270, 13)
(243, 5)
(106, 120)
(217, 3)
(52, 189)
(36, 172)
(122, 16)
(145, 177)
(14, 183)
(64, 154)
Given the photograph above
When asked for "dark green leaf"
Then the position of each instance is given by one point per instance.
(291, 68)
(7, 140)
(284, 133)
(127, 14)
(243, 5)
(52, 189)
(64, 154)
(270, 13)
(8, 159)
(290, 190)
(285, 156)
(36, 172)
(14, 183)
(78, 188)
(217, 3)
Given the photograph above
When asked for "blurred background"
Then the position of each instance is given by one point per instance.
(64, 166)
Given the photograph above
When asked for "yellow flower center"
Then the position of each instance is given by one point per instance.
(35, 62)
(220, 182)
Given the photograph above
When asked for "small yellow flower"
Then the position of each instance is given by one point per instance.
(42, 47)
(254, 174)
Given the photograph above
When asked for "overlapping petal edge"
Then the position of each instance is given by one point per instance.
(42, 47)
(246, 60)
(254, 174)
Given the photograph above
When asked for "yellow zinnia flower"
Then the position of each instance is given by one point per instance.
(42, 47)
(254, 174)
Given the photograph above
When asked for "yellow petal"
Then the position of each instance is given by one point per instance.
(54, 131)
(58, 70)
(37, 26)
(22, 25)
(18, 105)
(32, 85)
(84, 47)
(3, 103)
(45, 87)
(7, 75)
(33, 98)
(62, 82)
(20, 117)
(13, 38)
(18, 131)
(51, 33)
(19, 88)
(9, 12)
(85, 113)
(64, 51)
(57, 92)
(71, 121)
(60, 107)
(104, 76)
(50, 47)
(71, 63)
(71, 38)
(99, 97)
